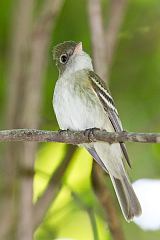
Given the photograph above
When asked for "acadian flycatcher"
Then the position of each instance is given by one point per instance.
(81, 101)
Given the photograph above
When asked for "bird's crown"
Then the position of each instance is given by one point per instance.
(65, 47)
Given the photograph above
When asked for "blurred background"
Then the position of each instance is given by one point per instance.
(71, 201)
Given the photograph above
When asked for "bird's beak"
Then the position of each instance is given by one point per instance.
(78, 49)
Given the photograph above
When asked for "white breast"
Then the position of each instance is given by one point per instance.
(78, 112)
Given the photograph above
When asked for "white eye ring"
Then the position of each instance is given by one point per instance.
(64, 58)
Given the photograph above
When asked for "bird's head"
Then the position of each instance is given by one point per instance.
(70, 57)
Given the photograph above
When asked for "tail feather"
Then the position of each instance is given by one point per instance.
(127, 198)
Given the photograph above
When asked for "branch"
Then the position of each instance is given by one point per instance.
(104, 48)
(97, 37)
(76, 137)
(99, 183)
(21, 23)
(36, 66)
(28, 66)
(116, 15)
(42, 205)
(41, 36)
(90, 212)
(103, 51)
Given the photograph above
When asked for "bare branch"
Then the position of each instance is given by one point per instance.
(104, 44)
(22, 21)
(116, 15)
(104, 40)
(21, 24)
(90, 212)
(76, 137)
(28, 65)
(99, 183)
(42, 205)
(39, 49)
(39, 44)
(97, 37)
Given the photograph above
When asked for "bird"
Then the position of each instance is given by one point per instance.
(81, 100)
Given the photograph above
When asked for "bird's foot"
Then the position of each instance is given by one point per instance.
(89, 132)
(124, 131)
(61, 131)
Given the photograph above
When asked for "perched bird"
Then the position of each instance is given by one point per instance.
(81, 101)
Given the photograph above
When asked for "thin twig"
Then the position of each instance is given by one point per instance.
(90, 213)
(42, 205)
(116, 15)
(76, 137)
(93, 223)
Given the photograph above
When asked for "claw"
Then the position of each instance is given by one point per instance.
(89, 132)
(61, 131)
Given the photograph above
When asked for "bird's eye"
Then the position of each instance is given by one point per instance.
(63, 58)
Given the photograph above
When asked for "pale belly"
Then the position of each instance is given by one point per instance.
(78, 112)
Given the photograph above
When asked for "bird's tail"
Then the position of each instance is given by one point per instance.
(127, 198)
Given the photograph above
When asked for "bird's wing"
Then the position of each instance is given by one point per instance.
(94, 154)
(107, 101)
